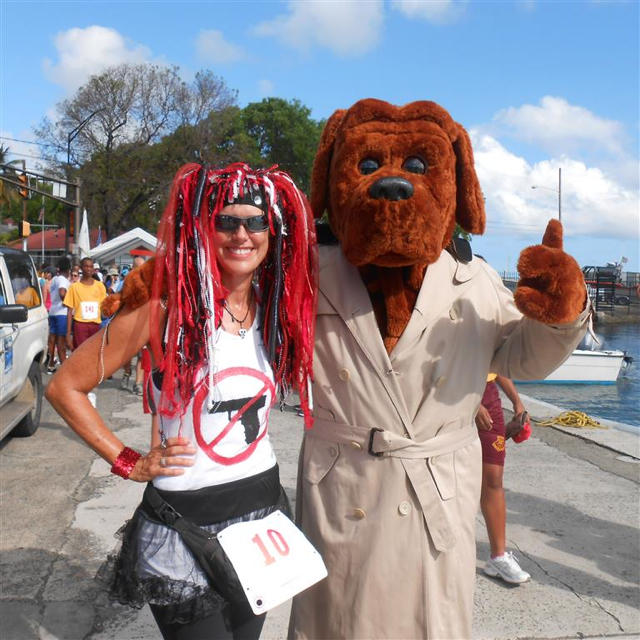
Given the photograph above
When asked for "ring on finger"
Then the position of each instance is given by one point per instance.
(163, 462)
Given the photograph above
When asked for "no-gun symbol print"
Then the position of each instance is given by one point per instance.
(243, 410)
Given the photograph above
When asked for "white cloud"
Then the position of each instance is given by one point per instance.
(434, 11)
(560, 127)
(265, 88)
(346, 28)
(85, 52)
(593, 202)
(214, 49)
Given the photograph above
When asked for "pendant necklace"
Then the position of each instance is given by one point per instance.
(242, 332)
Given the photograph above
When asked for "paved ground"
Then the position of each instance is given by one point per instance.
(573, 519)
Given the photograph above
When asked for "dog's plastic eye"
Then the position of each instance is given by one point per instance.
(368, 165)
(414, 164)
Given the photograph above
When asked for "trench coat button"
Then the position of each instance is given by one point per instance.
(359, 513)
(356, 445)
(453, 313)
(441, 380)
(344, 374)
(404, 508)
(333, 451)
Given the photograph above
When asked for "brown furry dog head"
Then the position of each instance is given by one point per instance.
(394, 181)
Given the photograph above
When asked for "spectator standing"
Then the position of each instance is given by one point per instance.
(58, 314)
(137, 389)
(83, 301)
(112, 281)
(48, 273)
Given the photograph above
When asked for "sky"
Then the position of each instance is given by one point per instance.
(540, 86)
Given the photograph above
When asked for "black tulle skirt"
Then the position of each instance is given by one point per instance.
(152, 564)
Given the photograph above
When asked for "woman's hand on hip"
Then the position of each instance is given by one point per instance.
(165, 461)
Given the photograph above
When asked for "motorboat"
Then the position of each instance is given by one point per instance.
(589, 364)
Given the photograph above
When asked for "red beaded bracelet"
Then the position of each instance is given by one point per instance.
(124, 463)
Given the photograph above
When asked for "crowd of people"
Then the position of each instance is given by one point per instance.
(73, 294)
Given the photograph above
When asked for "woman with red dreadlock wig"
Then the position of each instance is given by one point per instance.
(230, 325)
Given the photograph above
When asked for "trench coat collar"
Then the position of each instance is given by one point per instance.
(341, 284)
(444, 281)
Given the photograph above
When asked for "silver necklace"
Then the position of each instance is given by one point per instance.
(242, 331)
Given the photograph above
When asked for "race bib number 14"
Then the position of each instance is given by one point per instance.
(273, 560)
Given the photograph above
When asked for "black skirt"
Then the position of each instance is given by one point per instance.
(153, 565)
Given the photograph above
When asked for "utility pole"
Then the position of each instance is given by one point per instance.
(24, 208)
(71, 136)
(560, 194)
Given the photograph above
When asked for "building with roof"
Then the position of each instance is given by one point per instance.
(48, 246)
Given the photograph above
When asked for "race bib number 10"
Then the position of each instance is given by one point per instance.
(273, 560)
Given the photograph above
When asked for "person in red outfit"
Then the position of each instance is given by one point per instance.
(492, 432)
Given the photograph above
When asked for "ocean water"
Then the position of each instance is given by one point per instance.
(619, 402)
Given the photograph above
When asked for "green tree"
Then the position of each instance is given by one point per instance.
(286, 135)
(120, 116)
(8, 194)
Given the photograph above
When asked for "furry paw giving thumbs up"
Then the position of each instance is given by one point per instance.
(551, 287)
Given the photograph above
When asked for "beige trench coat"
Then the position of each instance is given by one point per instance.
(396, 530)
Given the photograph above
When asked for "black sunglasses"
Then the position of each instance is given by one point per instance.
(254, 224)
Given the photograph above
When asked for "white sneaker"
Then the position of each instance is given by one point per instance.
(506, 567)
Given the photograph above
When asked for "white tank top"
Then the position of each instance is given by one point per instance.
(232, 440)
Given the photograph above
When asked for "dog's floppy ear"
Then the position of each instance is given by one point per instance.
(469, 201)
(322, 164)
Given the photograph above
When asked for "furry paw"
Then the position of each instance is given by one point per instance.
(136, 290)
(551, 287)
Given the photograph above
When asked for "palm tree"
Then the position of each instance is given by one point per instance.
(8, 194)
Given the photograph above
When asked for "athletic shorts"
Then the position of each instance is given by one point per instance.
(58, 325)
(493, 442)
(83, 331)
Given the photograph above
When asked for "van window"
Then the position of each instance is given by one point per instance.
(3, 295)
(24, 282)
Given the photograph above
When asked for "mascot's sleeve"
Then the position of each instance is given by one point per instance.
(527, 349)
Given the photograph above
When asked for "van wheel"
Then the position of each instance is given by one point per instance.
(30, 423)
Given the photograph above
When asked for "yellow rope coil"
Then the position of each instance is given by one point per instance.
(572, 419)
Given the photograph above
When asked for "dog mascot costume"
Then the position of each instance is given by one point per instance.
(408, 326)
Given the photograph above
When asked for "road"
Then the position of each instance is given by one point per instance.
(573, 520)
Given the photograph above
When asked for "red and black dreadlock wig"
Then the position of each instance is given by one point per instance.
(186, 272)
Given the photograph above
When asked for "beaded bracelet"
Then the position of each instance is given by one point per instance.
(124, 463)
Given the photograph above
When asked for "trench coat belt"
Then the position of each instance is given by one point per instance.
(412, 455)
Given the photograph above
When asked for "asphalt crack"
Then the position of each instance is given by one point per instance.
(591, 601)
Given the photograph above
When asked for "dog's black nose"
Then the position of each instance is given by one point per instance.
(391, 188)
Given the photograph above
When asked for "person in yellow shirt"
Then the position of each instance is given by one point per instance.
(23, 290)
(28, 297)
(84, 300)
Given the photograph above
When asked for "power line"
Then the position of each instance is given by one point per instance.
(38, 144)
(26, 155)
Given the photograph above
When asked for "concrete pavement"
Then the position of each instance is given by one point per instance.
(573, 519)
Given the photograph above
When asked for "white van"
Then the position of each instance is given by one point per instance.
(24, 330)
